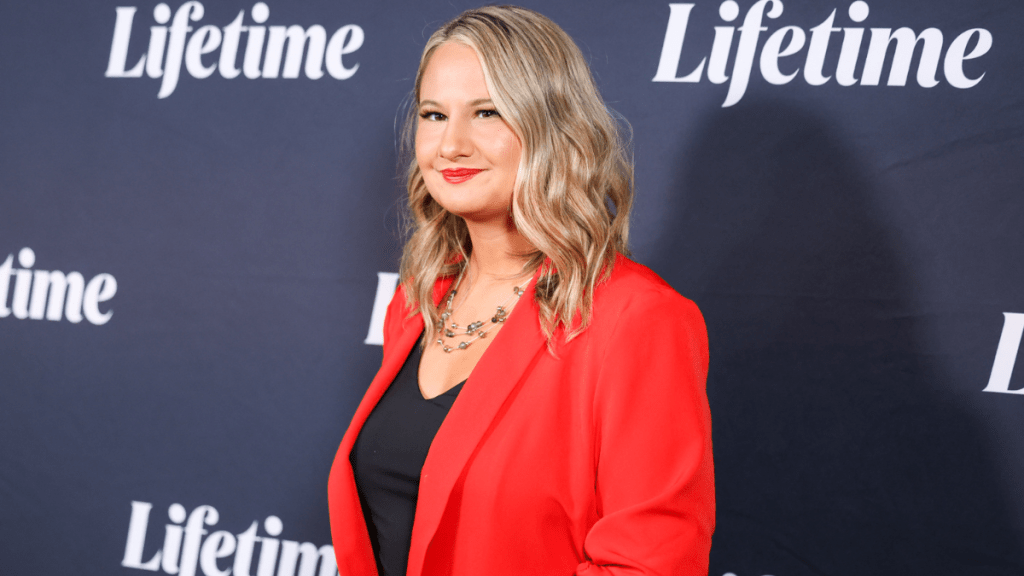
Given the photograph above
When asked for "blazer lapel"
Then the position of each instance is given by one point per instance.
(348, 527)
(498, 373)
(394, 357)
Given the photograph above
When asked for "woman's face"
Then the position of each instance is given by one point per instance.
(468, 154)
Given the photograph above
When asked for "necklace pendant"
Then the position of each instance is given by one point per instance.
(449, 334)
(463, 345)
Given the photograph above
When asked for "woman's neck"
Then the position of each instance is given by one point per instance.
(499, 253)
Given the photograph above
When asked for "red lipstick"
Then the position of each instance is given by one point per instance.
(459, 175)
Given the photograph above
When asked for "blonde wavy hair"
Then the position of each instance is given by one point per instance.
(575, 181)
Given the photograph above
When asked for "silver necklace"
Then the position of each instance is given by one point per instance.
(473, 330)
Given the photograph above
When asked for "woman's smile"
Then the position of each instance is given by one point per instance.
(459, 175)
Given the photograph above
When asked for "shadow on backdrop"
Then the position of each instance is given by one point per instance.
(838, 448)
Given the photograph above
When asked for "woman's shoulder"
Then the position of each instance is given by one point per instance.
(635, 309)
(634, 288)
(400, 300)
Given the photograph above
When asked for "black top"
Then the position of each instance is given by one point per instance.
(387, 458)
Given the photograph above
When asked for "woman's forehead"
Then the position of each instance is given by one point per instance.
(454, 72)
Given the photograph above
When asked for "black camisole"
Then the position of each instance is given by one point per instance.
(387, 458)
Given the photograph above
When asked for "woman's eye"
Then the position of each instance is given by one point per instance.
(435, 116)
(488, 114)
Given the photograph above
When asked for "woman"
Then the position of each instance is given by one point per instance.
(540, 408)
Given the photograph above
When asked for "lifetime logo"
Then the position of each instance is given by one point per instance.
(53, 294)
(185, 549)
(168, 47)
(788, 41)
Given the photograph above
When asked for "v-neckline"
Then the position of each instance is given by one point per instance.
(418, 349)
(451, 391)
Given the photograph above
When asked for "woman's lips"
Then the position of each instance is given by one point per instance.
(459, 175)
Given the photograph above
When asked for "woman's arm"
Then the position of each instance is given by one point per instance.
(655, 476)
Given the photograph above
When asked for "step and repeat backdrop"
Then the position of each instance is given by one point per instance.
(201, 220)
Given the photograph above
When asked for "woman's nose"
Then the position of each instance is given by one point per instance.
(455, 142)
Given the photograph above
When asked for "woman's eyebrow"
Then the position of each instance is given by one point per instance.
(477, 102)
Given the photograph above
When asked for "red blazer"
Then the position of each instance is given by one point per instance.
(594, 462)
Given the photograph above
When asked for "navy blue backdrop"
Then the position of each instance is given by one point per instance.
(199, 218)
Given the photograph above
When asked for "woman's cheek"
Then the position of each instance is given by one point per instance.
(425, 144)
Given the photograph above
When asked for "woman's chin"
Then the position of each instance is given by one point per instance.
(474, 212)
(484, 217)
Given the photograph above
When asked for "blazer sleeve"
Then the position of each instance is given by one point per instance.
(655, 476)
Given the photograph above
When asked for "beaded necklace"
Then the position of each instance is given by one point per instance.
(473, 330)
